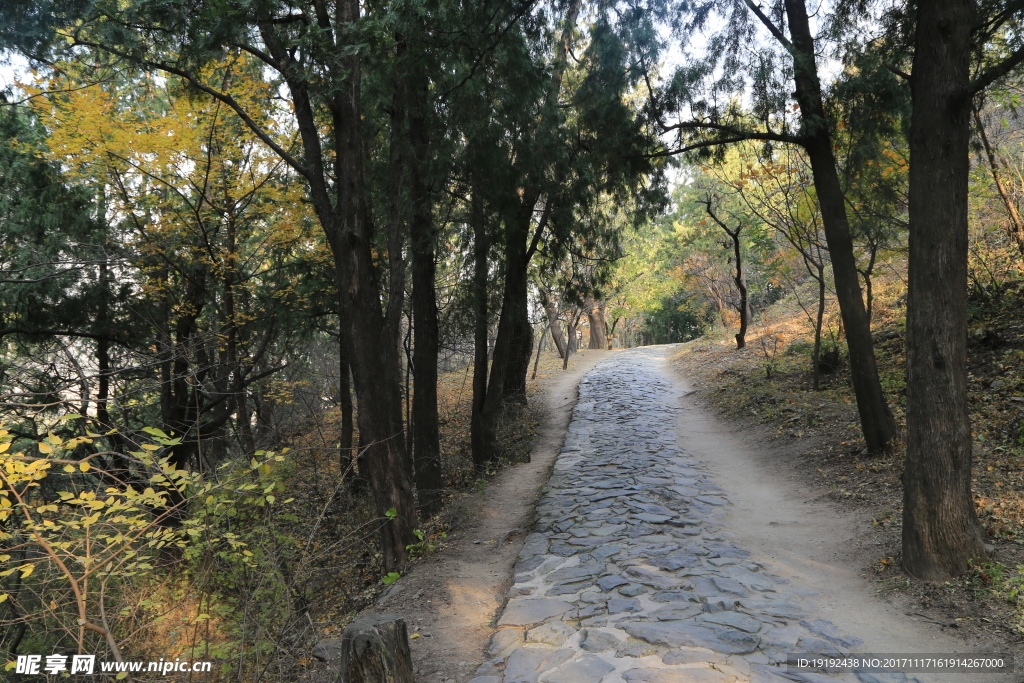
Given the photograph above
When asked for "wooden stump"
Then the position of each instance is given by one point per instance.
(375, 649)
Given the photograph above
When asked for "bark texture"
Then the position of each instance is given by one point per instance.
(482, 435)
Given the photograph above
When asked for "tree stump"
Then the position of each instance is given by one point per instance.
(375, 649)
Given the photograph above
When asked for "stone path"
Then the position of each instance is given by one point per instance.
(631, 576)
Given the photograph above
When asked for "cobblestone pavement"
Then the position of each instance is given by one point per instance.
(630, 574)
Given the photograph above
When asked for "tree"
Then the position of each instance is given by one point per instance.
(552, 138)
(941, 534)
(713, 125)
(780, 195)
(313, 53)
(743, 305)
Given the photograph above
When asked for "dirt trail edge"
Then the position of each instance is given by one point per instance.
(450, 598)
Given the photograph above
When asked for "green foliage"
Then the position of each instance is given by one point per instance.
(675, 321)
(424, 545)
(80, 544)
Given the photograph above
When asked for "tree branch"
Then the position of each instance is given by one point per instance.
(770, 25)
(994, 73)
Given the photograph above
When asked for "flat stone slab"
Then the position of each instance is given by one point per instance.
(734, 620)
(677, 633)
(526, 664)
(529, 611)
(677, 675)
(586, 669)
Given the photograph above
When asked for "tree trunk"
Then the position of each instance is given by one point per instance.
(741, 287)
(611, 331)
(941, 534)
(507, 377)
(375, 650)
(482, 437)
(515, 318)
(242, 421)
(818, 321)
(598, 327)
(556, 327)
(426, 436)
(876, 419)
(536, 360)
(570, 333)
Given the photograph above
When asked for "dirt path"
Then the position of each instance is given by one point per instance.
(451, 597)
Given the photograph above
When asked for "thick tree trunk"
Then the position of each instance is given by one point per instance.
(375, 649)
(425, 432)
(876, 419)
(517, 347)
(941, 534)
(482, 437)
(598, 327)
(507, 362)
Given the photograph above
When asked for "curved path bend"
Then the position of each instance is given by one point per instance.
(631, 574)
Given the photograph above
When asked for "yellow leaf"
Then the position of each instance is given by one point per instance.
(4, 446)
(26, 570)
(69, 468)
(150, 447)
(84, 466)
(54, 439)
(3, 597)
(121, 676)
(45, 447)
